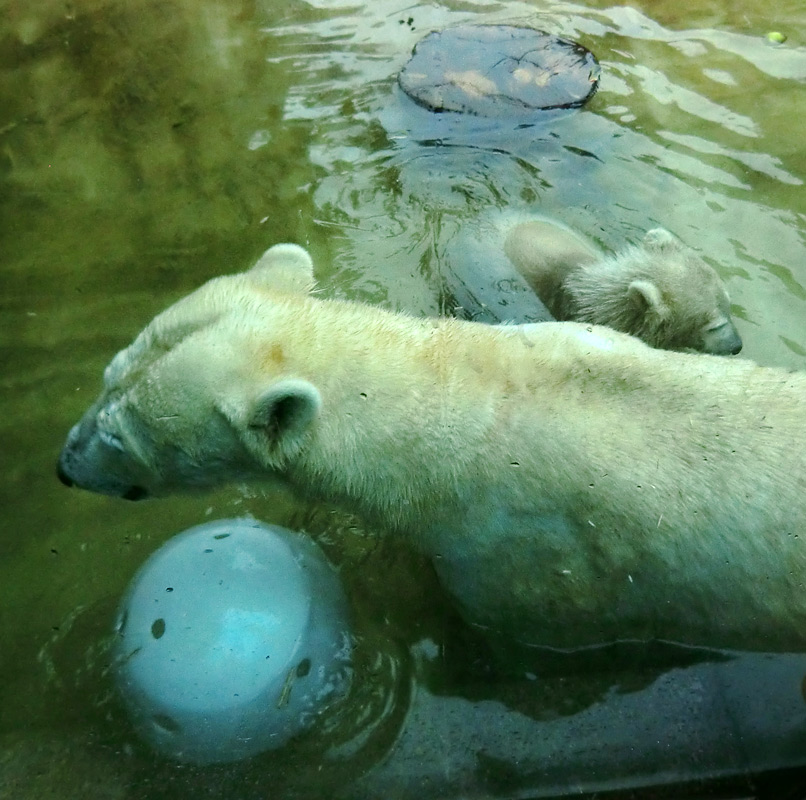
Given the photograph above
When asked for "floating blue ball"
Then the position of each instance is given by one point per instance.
(233, 636)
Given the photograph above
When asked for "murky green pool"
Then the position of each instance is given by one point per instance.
(147, 146)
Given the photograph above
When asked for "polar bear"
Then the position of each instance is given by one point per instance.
(658, 290)
(572, 485)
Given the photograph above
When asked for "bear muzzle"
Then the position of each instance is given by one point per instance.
(130, 493)
(63, 476)
(74, 470)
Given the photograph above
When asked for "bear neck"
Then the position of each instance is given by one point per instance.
(385, 379)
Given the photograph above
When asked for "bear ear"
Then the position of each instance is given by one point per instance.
(284, 412)
(661, 239)
(287, 267)
(647, 296)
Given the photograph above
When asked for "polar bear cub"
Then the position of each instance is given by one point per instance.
(658, 290)
(572, 485)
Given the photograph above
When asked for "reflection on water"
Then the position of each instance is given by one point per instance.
(146, 146)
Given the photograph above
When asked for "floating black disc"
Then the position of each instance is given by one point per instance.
(498, 70)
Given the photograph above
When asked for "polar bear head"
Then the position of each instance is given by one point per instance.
(660, 291)
(185, 405)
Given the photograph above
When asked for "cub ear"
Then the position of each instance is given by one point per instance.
(284, 412)
(647, 296)
(661, 239)
(287, 267)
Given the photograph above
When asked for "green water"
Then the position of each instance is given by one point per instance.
(148, 146)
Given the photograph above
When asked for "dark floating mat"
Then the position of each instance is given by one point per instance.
(498, 70)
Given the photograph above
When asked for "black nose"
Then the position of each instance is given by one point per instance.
(64, 477)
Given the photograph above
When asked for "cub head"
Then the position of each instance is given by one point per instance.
(686, 304)
(205, 394)
(662, 292)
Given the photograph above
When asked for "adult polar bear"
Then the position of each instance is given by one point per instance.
(572, 485)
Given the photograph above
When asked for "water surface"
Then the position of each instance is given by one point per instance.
(148, 146)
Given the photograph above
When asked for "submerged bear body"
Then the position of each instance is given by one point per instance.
(572, 485)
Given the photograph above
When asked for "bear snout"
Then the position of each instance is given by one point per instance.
(63, 476)
(128, 493)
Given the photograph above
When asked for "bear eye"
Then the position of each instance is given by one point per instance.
(716, 325)
(110, 440)
(104, 422)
